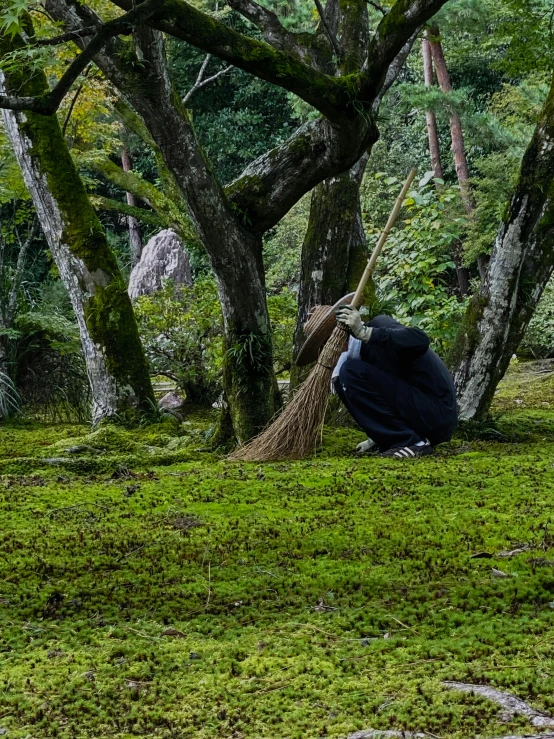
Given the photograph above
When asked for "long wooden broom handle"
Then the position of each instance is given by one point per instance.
(359, 294)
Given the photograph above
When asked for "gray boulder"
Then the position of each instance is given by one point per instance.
(163, 258)
(171, 402)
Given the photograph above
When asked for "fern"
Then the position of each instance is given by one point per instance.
(9, 397)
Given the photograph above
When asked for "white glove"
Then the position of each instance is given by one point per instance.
(350, 317)
(366, 447)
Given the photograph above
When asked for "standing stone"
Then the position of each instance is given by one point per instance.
(163, 258)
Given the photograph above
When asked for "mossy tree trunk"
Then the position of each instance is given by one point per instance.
(520, 266)
(114, 358)
(333, 251)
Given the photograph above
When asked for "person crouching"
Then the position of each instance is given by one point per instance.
(394, 386)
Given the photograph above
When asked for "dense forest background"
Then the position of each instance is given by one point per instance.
(498, 56)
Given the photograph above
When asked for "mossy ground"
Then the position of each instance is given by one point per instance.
(310, 599)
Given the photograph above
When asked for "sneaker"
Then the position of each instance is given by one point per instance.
(367, 447)
(409, 452)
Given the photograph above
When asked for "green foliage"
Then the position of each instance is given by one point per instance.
(283, 246)
(181, 330)
(416, 266)
(282, 309)
(11, 16)
(539, 337)
(258, 114)
(49, 366)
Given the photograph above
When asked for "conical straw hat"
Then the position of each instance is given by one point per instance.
(318, 328)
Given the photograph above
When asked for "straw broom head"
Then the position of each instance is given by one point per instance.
(294, 433)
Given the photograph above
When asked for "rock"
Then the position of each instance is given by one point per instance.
(163, 257)
(171, 402)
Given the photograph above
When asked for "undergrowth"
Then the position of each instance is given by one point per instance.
(148, 588)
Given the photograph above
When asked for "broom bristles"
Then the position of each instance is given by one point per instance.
(295, 432)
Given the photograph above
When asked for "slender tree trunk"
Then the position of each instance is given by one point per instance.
(235, 253)
(458, 149)
(456, 133)
(520, 266)
(432, 131)
(135, 238)
(115, 361)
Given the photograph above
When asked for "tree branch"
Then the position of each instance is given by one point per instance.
(49, 103)
(269, 24)
(200, 82)
(330, 34)
(332, 96)
(146, 216)
(377, 6)
(271, 185)
(77, 35)
(396, 28)
(396, 67)
(167, 210)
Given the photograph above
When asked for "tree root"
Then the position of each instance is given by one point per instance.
(511, 704)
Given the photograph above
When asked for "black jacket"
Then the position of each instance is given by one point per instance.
(404, 352)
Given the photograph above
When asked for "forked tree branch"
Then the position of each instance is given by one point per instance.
(201, 82)
(283, 66)
(267, 22)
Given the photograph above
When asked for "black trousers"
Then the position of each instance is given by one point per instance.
(391, 411)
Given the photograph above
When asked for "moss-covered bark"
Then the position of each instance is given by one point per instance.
(520, 266)
(334, 249)
(115, 360)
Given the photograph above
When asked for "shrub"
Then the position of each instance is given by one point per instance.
(415, 271)
(50, 369)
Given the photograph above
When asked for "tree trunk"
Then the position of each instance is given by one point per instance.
(334, 249)
(115, 361)
(135, 238)
(519, 268)
(235, 253)
(432, 131)
(458, 149)
(456, 133)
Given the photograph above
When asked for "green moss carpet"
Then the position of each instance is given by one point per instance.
(151, 589)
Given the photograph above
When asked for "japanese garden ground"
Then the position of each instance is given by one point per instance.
(151, 589)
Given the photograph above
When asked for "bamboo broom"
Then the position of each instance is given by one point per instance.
(294, 433)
